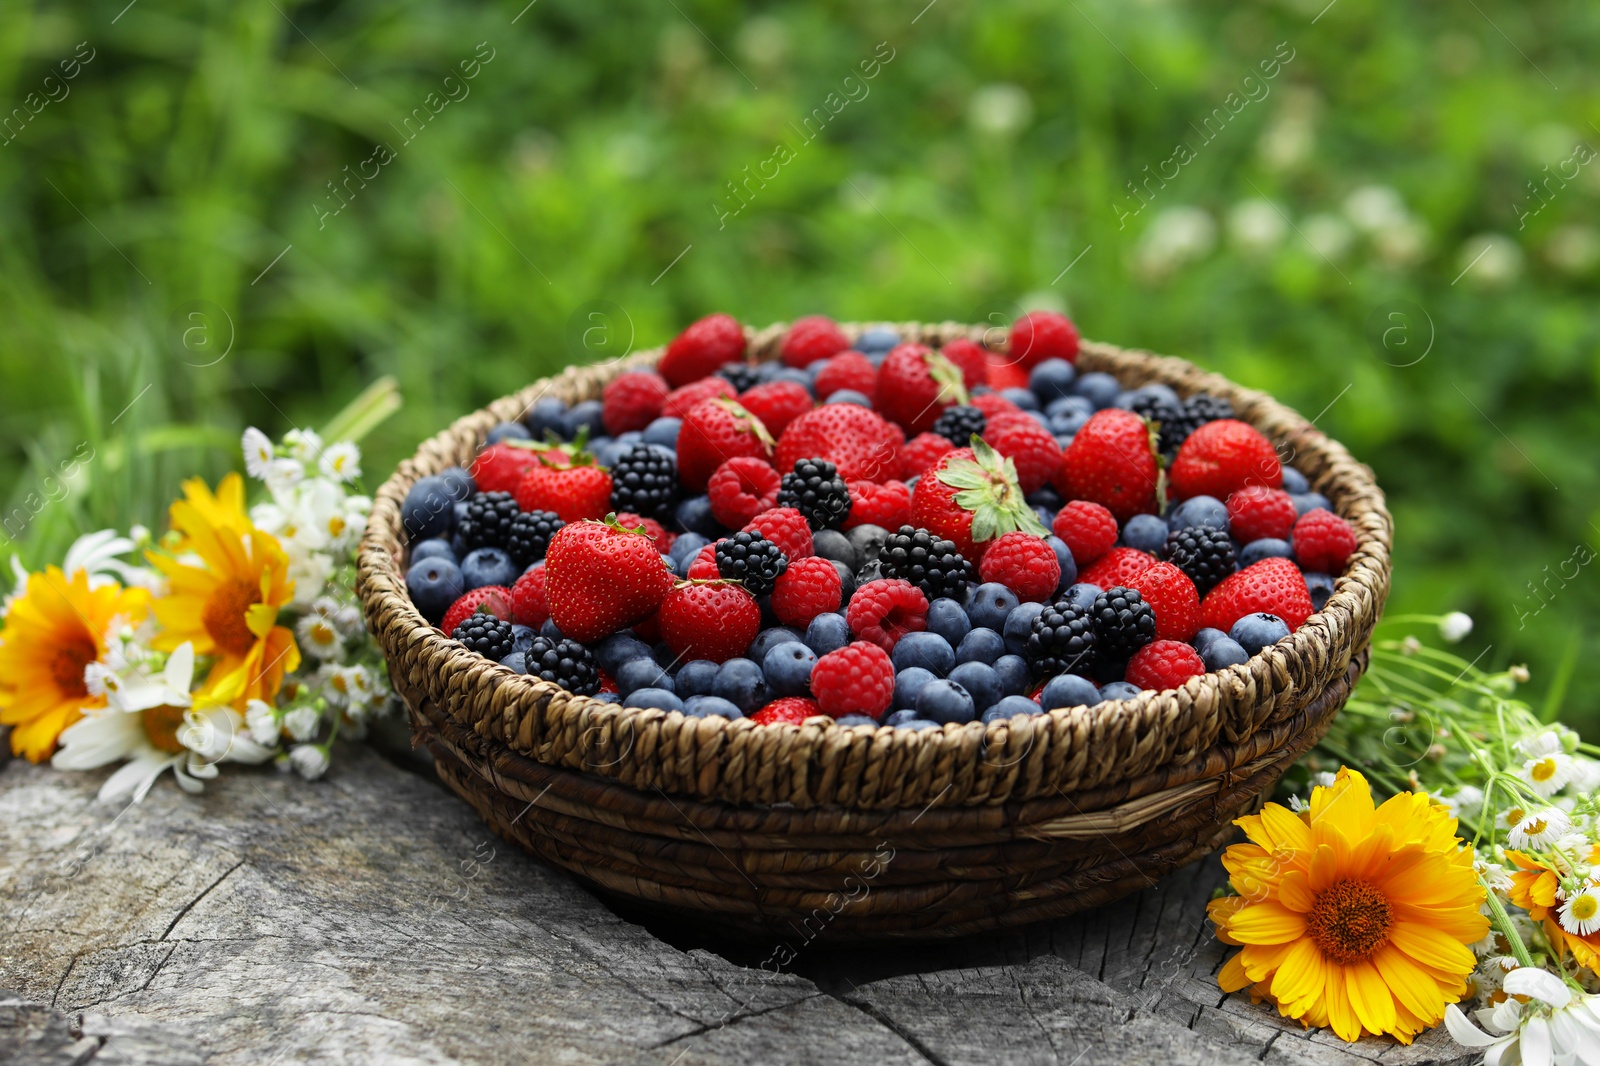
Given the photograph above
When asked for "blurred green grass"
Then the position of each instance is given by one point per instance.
(168, 208)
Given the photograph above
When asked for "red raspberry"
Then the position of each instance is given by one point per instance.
(915, 386)
(1024, 440)
(1173, 597)
(1164, 664)
(495, 599)
(713, 432)
(1272, 586)
(785, 527)
(808, 587)
(857, 441)
(633, 401)
(1256, 511)
(1112, 461)
(742, 488)
(887, 505)
(701, 349)
(847, 370)
(855, 679)
(653, 529)
(971, 359)
(1023, 563)
(1088, 529)
(528, 604)
(680, 402)
(1323, 542)
(885, 610)
(777, 403)
(791, 710)
(993, 405)
(704, 566)
(715, 620)
(1041, 335)
(1222, 457)
(921, 452)
(811, 338)
(499, 467)
(1117, 567)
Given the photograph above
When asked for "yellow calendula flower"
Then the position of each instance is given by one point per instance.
(223, 509)
(53, 630)
(228, 604)
(1352, 916)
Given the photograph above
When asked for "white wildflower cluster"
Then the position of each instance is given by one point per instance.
(311, 510)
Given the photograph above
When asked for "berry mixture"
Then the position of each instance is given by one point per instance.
(872, 531)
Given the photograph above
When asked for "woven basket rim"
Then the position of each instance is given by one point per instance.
(1350, 487)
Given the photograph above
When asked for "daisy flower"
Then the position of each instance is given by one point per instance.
(1580, 914)
(262, 721)
(302, 722)
(1537, 830)
(1554, 1026)
(258, 453)
(1548, 774)
(303, 444)
(341, 461)
(319, 637)
(1455, 626)
(310, 761)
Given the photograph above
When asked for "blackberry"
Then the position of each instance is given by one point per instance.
(816, 490)
(958, 424)
(1205, 554)
(645, 481)
(487, 635)
(485, 520)
(928, 562)
(1198, 409)
(1123, 623)
(563, 662)
(752, 559)
(1062, 640)
(530, 535)
(1167, 415)
(742, 376)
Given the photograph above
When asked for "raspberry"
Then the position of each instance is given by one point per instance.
(883, 611)
(1041, 335)
(715, 620)
(1123, 623)
(855, 679)
(1087, 529)
(700, 349)
(1172, 595)
(1223, 457)
(645, 481)
(958, 424)
(680, 402)
(1205, 554)
(742, 488)
(528, 604)
(1025, 564)
(921, 452)
(847, 370)
(632, 401)
(1256, 511)
(777, 403)
(887, 505)
(811, 338)
(1117, 567)
(971, 359)
(1164, 664)
(704, 566)
(931, 563)
(785, 527)
(1323, 542)
(485, 634)
(791, 710)
(750, 559)
(1024, 440)
(815, 489)
(1272, 586)
(566, 663)
(494, 599)
(809, 587)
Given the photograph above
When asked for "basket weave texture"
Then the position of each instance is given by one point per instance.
(767, 828)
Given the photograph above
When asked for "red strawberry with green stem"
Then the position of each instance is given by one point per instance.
(970, 497)
(713, 432)
(915, 386)
(574, 486)
(600, 578)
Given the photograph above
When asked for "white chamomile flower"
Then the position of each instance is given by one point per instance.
(1322, 779)
(1548, 774)
(1467, 799)
(319, 637)
(1553, 1026)
(1298, 804)
(96, 555)
(258, 453)
(301, 722)
(1585, 775)
(170, 689)
(310, 761)
(262, 721)
(1547, 742)
(303, 444)
(1580, 914)
(1539, 829)
(1455, 626)
(1493, 875)
(281, 475)
(340, 461)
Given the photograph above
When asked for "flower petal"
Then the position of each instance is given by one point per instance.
(1267, 923)
(1540, 984)
(1370, 997)
(1464, 1032)
(1432, 948)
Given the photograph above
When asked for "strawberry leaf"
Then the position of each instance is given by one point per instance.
(952, 387)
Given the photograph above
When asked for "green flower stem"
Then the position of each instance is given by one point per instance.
(1502, 921)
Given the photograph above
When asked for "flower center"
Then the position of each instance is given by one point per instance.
(1585, 907)
(1536, 827)
(67, 667)
(224, 615)
(1349, 920)
(1543, 770)
(161, 725)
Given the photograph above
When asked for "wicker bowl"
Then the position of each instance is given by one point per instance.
(846, 834)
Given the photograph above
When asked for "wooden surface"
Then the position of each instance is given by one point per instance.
(370, 917)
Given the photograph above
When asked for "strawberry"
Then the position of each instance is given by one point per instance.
(574, 488)
(1024, 440)
(632, 401)
(742, 488)
(652, 529)
(1173, 597)
(790, 710)
(1222, 457)
(777, 403)
(1041, 335)
(1119, 566)
(785, 527)
(915, 386)
(1112, 461)
(887, 504)
(857, 441)
(970, 497)
(713, 620)
(701, 349)
(680, 402)
(713, 432)
(1087, 529)
(1024, 564)
(600, 578)
(993, 405)
(972, 360)
(1164, 664)
(493, 599)
(811, 338)
(921, 452)
(499, 467)
(1005, 373)
(1272, 586)
(847, 370)
(1256, 511)
(1323, 542)
(528, 604)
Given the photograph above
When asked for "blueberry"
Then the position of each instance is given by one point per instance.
(1010, 707)
(1099, 389)
(860, 399)
(827, 632)
(606, 697)
(1264, 548)
(1205, 636)
(927, 650)
(1294, 482)
(507, 431)
(607, 453)
(458, 483)
(1069, 566)
(1070, 407)
(545, 416)
(1012, 670)
(659, 698)
(948, 618)
(618, 648)
(1052, 380)
(834, 546)
(980, 680)
(1309, 501)
(900, 717)
(779, 372)
(1199, 511)
(868, 540)
(1083, 594)
(1019, 623)
(695, 678)
(847, 580)
(945, 702)
(685, 548)
(1066, 424)
(489, 566)
(580, 416)
(908, 685)
(694, 515)
(981, 645)
(848, 720)
(788, 669)
(551, 630)
(768, 639)
(1145, 532)
(991, 604)
(434, 584)
(1118, 690)
(742, 684)
(1068, 690)
(1321, 587)
(876, 340)
(1156, 391)
(1256, 631)
(663, 431)
(1047, 517)
(516, 662)
(641, 673)
(429, 508)
(917, 723)
(522, 637)
(432, 548)
(710, 707)
(1222, 653)
(1023, 398)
